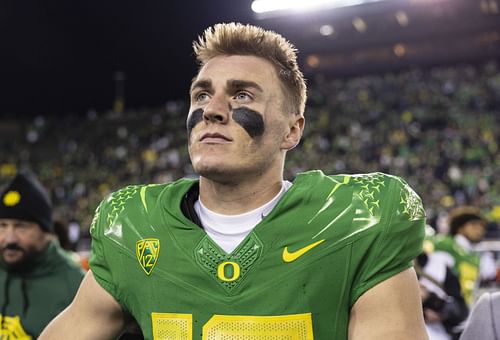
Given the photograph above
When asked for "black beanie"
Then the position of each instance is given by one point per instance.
(25, 199)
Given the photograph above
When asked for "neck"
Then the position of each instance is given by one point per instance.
(238, 198)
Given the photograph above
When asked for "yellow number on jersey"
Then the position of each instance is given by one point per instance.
(169, 326)
(235, 327)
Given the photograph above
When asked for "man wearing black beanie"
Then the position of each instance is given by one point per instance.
(37, 278)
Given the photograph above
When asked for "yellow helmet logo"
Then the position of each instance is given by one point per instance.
(11, 198)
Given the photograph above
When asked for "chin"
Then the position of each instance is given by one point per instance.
(13, 263)
(214, 173)
(219, 173)
(207, 165)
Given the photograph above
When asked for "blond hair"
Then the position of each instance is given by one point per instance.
(238, 39)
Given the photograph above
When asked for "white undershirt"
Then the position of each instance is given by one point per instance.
(229, 230)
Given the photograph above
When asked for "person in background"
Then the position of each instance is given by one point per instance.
(444, 306)
(37, 278)
(466, 228)
(61, 233)
(241, 252)
(484, 320)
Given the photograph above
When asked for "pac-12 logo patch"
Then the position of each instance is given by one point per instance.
(147, 251)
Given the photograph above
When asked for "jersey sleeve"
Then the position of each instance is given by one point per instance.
(114, 235)
(397, 241)
(98, 261)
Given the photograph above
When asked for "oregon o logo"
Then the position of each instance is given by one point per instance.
(228, 271)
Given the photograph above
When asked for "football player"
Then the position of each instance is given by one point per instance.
(242, 253)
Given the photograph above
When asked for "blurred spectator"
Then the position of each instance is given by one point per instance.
(442, 301)
(62, 233)
(466, 228)
(37, 279)
(437, 127)
(484, 321)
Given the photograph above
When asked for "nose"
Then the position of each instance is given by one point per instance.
(217, 110)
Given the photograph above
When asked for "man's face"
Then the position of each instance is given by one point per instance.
(236, 124)
(20, 241)
(473, 230)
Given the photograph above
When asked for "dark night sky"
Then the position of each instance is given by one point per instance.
(59, 56)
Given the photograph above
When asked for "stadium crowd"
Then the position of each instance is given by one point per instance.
(437, 127)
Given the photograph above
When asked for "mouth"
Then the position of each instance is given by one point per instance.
(9, 250)
(214, 138)
(9, 253)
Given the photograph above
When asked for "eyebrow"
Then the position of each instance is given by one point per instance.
(202, 83)
(232, 85)
(236, 84)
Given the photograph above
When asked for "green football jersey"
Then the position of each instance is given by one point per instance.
(295, 276)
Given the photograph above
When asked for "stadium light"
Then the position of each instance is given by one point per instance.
(399, 50)
(402, 18)
(267, 6)
(359, 24)
(326, 30)
(313, 61)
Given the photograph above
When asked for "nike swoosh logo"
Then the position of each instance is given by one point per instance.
(290, 257)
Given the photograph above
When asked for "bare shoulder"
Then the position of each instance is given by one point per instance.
(79, 321)
(390, 310)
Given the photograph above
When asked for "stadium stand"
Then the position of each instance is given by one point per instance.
(436, 127)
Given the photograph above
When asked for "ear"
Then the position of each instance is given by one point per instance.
(296, 128)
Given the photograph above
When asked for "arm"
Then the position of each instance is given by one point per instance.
(93, 314)
(391, 310)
